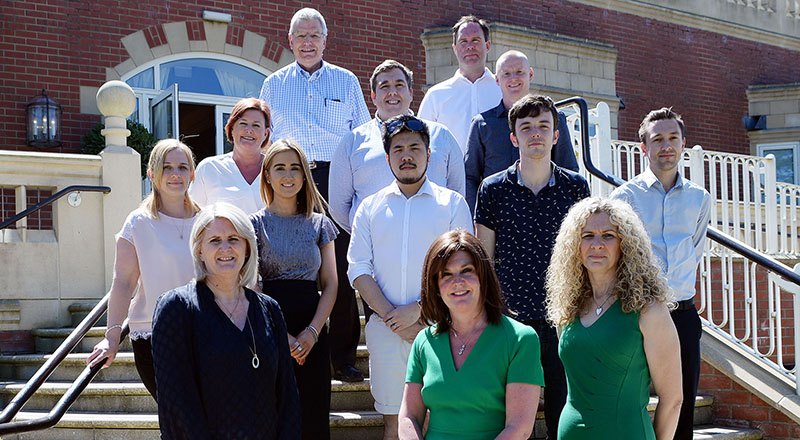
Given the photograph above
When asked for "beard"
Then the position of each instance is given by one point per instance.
(410, 180)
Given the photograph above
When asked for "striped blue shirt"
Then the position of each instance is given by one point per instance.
(315, 110)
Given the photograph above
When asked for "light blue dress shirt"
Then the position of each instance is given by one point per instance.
(359, 168)
(315, 110)
(677, 222)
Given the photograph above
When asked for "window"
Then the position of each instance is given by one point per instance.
(786, 160)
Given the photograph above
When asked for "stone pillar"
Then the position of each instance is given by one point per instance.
(121, 170)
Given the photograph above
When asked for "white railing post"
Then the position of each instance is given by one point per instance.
(771, 203)
(601, 151)
(696, 168)
(796, 303)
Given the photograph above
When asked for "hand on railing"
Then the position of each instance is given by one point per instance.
(106, 349)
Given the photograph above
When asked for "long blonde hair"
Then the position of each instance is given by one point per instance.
(639, 278)
(155, 166)
(309, 200)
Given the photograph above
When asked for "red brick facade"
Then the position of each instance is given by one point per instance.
(60, 46)
(735, 406)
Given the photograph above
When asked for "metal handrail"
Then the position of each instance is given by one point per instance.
(53, 198)
(41, 375)
(714, 234)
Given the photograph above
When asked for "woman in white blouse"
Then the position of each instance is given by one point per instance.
(152, 254)
(235, 177)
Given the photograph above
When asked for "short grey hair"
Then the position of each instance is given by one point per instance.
(249, 271)
(308, 14)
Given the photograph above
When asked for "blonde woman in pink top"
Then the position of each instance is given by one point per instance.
(152, 254)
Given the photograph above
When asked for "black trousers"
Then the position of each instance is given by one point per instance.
(143, 358)
(555, 380)
(345, 329)
(298, 300)
(689, 328)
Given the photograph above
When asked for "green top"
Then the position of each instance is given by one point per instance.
(608, 381)
(470, 404)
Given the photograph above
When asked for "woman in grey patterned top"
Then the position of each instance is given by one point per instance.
(295, 250)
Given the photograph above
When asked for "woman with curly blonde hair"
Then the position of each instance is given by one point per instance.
(606, 294)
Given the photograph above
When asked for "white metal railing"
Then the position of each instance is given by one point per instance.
(761, 5)
(739, 299)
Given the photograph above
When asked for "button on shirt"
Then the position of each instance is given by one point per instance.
(359, 168)
(489, 148)
(315, 110)
(525, 226)
(677, 222)
(392, 234)
(455, 101)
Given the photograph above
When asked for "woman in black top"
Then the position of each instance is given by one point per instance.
(221, 356)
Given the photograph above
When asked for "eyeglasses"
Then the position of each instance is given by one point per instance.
(411, 124)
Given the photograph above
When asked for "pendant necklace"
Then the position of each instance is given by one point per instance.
(230, 315)
(463, 344)
(255, 361)
(599, 308)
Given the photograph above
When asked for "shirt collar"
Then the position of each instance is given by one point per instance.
(514, 176)
(426, 188)
(314, 75)
(487, 75)
(650, 179)
(500, 111)
(380, 121)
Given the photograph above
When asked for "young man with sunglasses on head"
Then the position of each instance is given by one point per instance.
(517, 217)
(392, 231)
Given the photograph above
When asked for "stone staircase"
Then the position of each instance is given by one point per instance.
(117, 406)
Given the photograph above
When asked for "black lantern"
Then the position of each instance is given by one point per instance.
(44, 122)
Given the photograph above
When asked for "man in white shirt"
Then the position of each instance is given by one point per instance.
(359, 168)
(471, 90)
(392, 231)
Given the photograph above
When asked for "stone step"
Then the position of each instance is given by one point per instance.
(79, 310)
(22, 367)
(132, 397)
(348, 425)
(47, 340)
(355, 425)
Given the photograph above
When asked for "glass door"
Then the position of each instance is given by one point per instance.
(164, 114)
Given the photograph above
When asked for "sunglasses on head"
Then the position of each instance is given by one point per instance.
(411, 124)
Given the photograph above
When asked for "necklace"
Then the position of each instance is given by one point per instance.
(180, 230)
(599, 308)
(255, 361)
(224, 310)
(463, 344)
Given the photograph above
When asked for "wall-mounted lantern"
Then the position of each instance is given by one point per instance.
(44, 122)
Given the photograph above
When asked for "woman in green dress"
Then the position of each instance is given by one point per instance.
(608, 297)
(477, 371)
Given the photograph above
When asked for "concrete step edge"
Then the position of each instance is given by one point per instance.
(137, 388)
(714, 432)
(95, 420)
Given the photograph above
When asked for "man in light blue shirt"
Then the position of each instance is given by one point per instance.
(359, 168)
(675, 211)
(316, 103)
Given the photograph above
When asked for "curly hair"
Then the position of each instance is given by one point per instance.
(639, 279)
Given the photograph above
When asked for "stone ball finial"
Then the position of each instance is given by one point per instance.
(116, 98)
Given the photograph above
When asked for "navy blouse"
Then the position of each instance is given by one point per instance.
(207, 386)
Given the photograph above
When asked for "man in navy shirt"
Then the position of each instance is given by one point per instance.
(489, 147)
(517, 217)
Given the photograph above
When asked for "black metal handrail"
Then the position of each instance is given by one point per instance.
(714, 234)
(53, 198)
(41, 375)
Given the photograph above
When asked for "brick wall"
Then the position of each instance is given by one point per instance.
(735, 406)
(16, 342)
(61, 46)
